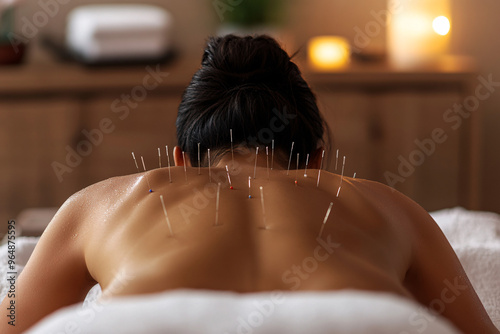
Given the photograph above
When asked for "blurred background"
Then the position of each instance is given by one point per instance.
(412, 108)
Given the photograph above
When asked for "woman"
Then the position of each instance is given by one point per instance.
(223, 235)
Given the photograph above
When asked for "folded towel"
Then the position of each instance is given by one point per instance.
(198, 311)
(119, 32)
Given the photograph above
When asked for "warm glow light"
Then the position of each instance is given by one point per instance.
(328, 52)
(418, 32)
(441, 25)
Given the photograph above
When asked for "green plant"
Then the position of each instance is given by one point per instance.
(256, 12)
(6, 23)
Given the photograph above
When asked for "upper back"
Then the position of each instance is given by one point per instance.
(252, 245)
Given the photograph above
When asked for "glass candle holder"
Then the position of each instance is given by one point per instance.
(418, 32)
(328, 53)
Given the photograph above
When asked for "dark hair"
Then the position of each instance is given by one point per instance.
(248, 84)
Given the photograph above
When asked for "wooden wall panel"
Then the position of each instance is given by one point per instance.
(34, 134)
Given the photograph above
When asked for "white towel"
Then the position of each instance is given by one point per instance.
(119, 32)
(475, 237)
(23, 248)
(211, 312)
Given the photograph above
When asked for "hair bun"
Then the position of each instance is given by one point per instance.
(253, 59)
(249, 85)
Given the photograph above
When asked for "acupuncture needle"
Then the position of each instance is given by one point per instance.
(229, 178)
(320, 167)
(168, 162)
(199, 159)
(209, 167)
(166, 216)
(263, 208)
(255, 166)
(297, 170)
(146, 175)
(272, 154)
(184, 161)
(249, 187)
(336, 159)
(290, 160)
(232, 150)
(341, 177)
(307, 163)
(267, 161)
(217, 205)
(326, 218)
(136, 166)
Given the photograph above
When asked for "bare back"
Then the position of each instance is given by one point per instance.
(249, 249)
(374, 239)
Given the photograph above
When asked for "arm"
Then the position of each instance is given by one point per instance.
(55, 275)
(437, 279)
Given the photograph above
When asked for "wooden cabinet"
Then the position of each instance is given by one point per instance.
(379, 133)
(61, 129)
(391, 127)
(148, 126)
(376, 115)
(33, 134)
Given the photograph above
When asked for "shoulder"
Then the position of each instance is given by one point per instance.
(403, 218)
(73, 214)
(392, 200)
(407, 216)
(377, 202)
(385, 198)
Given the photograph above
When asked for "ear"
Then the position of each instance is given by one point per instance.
(179, 159)
(315, 158)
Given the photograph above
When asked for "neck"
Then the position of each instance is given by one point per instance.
(247, 159)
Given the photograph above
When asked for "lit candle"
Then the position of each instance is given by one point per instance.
(418, 31)
(328, 53)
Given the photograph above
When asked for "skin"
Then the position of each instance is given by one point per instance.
(115, 233)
